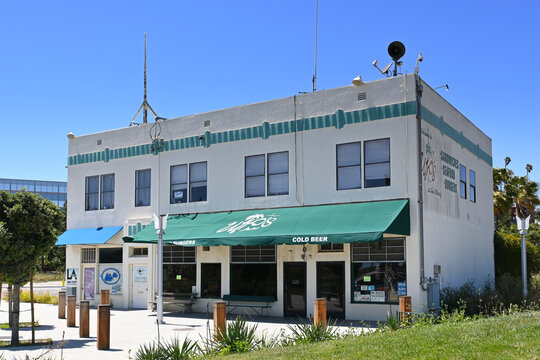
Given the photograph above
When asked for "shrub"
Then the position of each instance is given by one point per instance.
(40, 298)
(489, 299)
(507, 246)
(309, 332)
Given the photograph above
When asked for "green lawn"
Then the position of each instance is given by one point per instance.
(515, 336)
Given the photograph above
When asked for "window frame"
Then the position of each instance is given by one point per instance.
(268, 174)
(88, 254)
(377, 261)
(263, 175)
(389, 162)
(203, 278)
(332, 248)
(359, 165)
(101, 192)
(146, 188)
(253, 247)
(171, 184)
(472, 187)
(87, 193)
(198, 182)
(143, 250)
(189, 183)
(115, 248)
(463, 194)
(180, 261)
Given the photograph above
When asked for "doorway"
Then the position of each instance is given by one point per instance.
(139, 286)
(331, 286)
(294, 288)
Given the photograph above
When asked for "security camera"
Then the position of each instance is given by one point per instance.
(419, 59)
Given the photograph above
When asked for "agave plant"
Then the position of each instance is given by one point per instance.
(168, 350)
(309, 331)
(237, 337)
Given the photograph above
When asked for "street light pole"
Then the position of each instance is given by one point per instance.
(523, 225)
(160, 224)
(160, 233)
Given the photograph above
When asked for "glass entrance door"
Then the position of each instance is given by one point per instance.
(295, 288)
(331, 286)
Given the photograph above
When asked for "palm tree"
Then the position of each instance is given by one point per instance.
(528, 168)
(511, 191)
(526, 198)
(504, 192)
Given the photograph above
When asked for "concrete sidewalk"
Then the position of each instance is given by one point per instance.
(129, 330)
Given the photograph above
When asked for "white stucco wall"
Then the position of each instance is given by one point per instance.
(449, 223)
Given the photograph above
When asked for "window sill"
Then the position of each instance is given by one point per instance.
(375, 302)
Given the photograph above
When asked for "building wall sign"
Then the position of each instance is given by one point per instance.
(72, 277)
(110, 278)
(252, 222)
(139, 273)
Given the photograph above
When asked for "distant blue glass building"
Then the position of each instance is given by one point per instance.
(55, 191)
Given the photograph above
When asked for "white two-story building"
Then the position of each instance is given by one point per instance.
(336, 194)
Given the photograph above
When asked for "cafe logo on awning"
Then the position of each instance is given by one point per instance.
(252, 222)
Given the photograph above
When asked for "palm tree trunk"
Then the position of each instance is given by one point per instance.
(32, 305)
(10, 305)
(15, 325)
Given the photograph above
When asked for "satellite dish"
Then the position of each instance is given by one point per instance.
(396, 50)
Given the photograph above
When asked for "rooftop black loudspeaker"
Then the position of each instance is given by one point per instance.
(396, 50)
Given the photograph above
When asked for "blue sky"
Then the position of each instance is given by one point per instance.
(77, 66)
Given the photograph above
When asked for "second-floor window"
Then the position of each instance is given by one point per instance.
(142, 187)
(462, 181)
(376, 171)
(99, 192)
(377, 163)
(92, 193)
(349, 168)
(107, 191)
(267, 174)
(472, 185)
(197, 184)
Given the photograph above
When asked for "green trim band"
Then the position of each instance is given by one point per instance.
(338, 120)
(445, 129)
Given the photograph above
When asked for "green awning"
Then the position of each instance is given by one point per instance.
(344, 223)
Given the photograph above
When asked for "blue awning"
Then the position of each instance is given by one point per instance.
(90, 236)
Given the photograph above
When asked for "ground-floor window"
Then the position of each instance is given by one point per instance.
(254, 279)
(379, 271)
(211, 280)
(254, 270)
(179, 269)
(179, 278)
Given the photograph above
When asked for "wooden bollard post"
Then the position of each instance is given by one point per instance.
(319, 312)
(104, 327)
(405, 308)
(62, 305)
(105, 297)
(84, 318)
(71, 311)
(220, 317)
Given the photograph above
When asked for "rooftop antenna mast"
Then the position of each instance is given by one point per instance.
(316, 27)
(145, 106)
